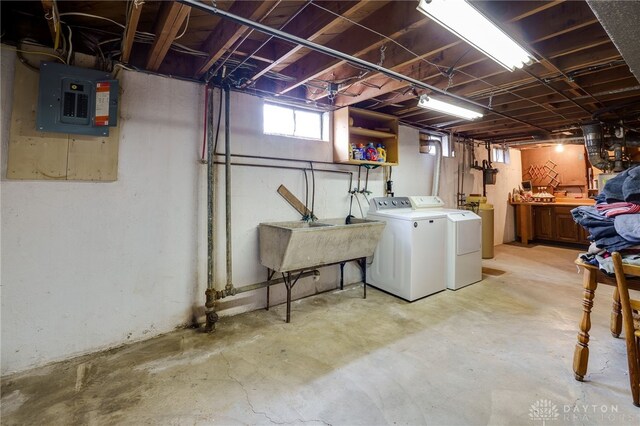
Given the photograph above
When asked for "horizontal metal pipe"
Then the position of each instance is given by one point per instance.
(263, 157)
(244, 289)
(271, 166)
(544, 83)
(340, 55)
(567, 141)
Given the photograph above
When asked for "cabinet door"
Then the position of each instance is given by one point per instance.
(543, 222)
(566, 228)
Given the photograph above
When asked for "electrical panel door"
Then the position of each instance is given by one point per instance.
(76, 100)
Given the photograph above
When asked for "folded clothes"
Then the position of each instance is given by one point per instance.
(623, 187)
(628, 227)
(615, 209)
(588, 215)
(615, 243)
(601, 230)
(631, 185)
(632, 259)
(604, 261)
(593, 249)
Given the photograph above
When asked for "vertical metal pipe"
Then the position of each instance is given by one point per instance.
(210, 293)
(227, 184)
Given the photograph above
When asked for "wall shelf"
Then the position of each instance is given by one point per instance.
(358, 126)
(372, 133)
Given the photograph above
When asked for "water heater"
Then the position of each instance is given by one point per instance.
(76, 100)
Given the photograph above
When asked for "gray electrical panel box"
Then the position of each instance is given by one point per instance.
(76, 100)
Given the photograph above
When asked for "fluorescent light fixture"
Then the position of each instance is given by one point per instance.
(469, 24)
(442, 106)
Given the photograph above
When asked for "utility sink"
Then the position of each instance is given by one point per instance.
(290, 246)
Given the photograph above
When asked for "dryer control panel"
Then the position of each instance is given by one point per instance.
(388, 203)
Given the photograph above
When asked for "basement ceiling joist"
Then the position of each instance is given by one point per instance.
(579, 70)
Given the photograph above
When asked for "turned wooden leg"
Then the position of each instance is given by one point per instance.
(581, 353)
(616, 314)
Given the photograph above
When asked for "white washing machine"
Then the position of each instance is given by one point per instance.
(463, 242)
(409, 261)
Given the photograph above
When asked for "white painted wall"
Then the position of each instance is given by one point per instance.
(87, 266)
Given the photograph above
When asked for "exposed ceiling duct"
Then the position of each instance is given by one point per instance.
(599, 139)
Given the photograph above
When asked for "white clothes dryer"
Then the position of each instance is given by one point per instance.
(463, 241)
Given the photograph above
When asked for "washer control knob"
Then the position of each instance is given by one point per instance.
(395, 203)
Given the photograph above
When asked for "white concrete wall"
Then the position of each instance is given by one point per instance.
(87, 266)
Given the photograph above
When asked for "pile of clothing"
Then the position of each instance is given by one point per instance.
(613, 222)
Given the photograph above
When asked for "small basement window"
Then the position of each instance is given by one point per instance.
(447, 148)
(295, 122)
(500, 154)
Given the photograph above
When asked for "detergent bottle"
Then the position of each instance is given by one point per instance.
(382, 153)
(360, 152)
(356, 154)
(371, 154)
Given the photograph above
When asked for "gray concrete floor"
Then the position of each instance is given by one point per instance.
(482, 355)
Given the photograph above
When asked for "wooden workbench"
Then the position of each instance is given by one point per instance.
(524, 214)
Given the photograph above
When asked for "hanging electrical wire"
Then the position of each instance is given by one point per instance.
(267, 40)
(186, 25)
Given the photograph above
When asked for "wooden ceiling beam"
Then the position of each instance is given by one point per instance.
(552, 20)
(51, 15)
(227, 33)
(619, 72)
(135, 9)
(394, 20)
(170, 19)
(312, 24)
(511, 11)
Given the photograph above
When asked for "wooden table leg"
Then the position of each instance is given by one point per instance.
(616, 314)
(525, 218)
(581, 353)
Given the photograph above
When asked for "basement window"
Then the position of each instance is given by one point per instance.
(295, 122)
(500, 154)
(447, 148)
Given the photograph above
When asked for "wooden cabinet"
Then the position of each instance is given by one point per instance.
(567, 229)
(555, 223)
(543, 222)
(358, 126)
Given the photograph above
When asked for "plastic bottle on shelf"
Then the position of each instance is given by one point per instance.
(354, 152)
(382, 153)
(360, 152)
(371, 153)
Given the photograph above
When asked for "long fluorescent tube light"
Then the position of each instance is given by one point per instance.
(469, 24)
(438, 105)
